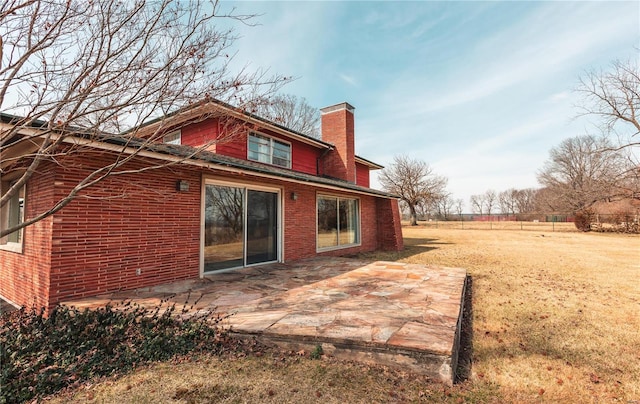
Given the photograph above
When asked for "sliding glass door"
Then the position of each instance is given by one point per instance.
(240, 227)
(223, 227)
(262, 227)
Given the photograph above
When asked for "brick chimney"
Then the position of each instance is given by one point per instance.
(338, 129)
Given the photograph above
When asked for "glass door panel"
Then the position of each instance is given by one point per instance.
(223, 228)
(262, 227)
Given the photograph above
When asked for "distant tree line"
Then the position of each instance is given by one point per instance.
(584, 173)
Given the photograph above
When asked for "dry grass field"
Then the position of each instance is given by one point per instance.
(555, 318)
(556, 315)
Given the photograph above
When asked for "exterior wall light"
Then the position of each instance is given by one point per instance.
(294, 196)
(182, 186)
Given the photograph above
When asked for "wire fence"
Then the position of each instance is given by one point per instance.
(499, 225)
(625, 223)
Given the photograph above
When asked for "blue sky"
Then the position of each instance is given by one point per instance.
(479, 90)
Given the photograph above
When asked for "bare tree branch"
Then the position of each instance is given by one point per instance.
(91, 68)
(292, 112)
(614, 97)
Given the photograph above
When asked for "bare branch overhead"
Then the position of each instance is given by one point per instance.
(106, 67)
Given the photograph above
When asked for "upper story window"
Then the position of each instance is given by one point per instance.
(268, 150)
(173, 138)
(12, 214)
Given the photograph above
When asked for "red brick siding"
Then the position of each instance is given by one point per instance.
(300, 223)
(362, 175)
(124, 223)
(389, 227)
(139, 221)
(24, 277)
(338, 129)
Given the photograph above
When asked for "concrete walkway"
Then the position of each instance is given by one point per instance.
(396, 314)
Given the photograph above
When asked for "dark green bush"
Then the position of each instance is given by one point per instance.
(40, 354)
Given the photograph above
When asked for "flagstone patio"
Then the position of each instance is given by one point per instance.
(396, 314)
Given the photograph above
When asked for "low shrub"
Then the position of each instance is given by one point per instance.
(40, 354)
(583, 220)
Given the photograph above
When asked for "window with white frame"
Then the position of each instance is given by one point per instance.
(173, 138)
(268, 150)
(338, 222)
(11, 215)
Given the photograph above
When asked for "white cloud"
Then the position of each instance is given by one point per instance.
(536, 48)
(348, 79)
(481, 91)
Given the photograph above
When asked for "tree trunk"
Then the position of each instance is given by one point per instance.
(413, 217)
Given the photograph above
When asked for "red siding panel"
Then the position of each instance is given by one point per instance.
(304, 158)
(233, 143)
(389, 226)
(362, 175)
(200, 133)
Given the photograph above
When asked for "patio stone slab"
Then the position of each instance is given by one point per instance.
(257, 321)
(392, 313)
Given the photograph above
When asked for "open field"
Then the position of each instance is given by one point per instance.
(555, 319)
(554, 313)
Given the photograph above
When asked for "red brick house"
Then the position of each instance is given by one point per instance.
(266, 194)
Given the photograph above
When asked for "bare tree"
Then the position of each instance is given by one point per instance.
(507, 201)
(477, 203)
(490, 201)
(525, 200)
(459, 205)
(444, 206)
(517, 201)
(580, 172)
(614, 96)
(292, 112)
(414, 182)
(102, 68)
(546, 201)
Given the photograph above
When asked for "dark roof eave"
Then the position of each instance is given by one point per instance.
(191, 153)
(369, 163)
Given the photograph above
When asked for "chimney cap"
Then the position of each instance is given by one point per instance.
(337, 107)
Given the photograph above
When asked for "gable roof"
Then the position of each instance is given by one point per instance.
(192, 113)
(197, 111)
(208, 107)
(194, 156)
(188, 114)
